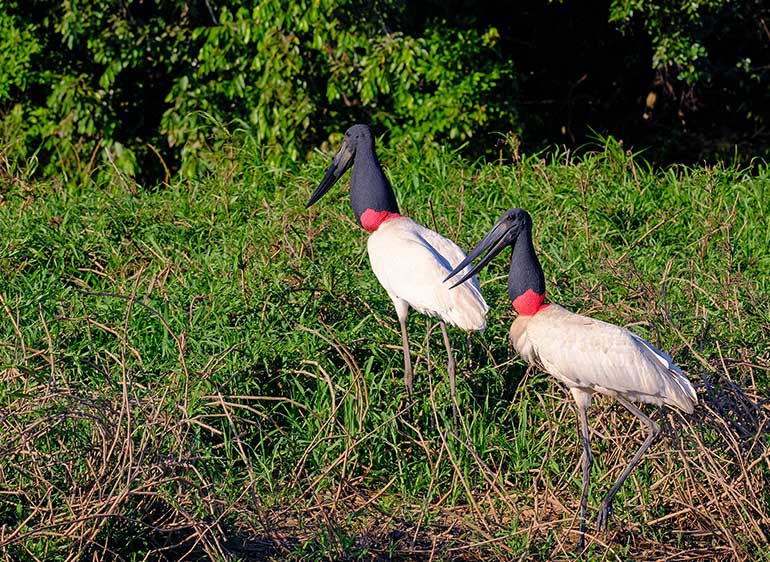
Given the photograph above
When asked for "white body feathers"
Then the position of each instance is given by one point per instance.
(589, 355)
(411, 262)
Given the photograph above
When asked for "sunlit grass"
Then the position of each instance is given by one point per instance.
(210, 369)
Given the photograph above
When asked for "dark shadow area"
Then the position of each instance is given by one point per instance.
(581, 78)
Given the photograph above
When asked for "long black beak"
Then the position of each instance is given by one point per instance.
(493, 243)
(342, 161)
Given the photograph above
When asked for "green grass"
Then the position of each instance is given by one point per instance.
(210, 370)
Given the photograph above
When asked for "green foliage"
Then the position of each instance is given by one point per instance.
(437, 87)
(675, 28)
(680, 29)
(712, 74)
(85, 96)
(151, 87)
(291, 71)
(133, 84)
(18, 46)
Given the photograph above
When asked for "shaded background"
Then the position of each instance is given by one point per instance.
(150, 87)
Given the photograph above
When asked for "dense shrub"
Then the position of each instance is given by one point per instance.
(126, 80)
(148, 86)
(709, 54)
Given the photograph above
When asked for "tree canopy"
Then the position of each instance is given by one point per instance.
(149, 86)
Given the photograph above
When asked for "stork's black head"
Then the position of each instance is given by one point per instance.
(504, 233)
(369, 188)
(526, 282)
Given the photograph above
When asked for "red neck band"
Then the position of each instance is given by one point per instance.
(530, 303)
(371, 219)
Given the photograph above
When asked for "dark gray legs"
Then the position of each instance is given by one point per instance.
(586, 461)
(451, 371)
(583, 401)
(605, 509)
(407, 357)
(402, 310)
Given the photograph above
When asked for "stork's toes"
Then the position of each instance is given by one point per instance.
(581, 544)
(603, 519)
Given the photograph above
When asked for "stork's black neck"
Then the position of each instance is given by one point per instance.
(526, 282)
(370, 190)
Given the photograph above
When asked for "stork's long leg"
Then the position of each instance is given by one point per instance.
(586, 462)
(605, 510)
(407, 358)
(468, 347)
(402, 311)
(451, 370)
(583, 401)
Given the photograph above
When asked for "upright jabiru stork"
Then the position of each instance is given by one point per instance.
(409, 260)
(585, 354)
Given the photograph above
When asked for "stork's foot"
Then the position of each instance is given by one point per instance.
(581, 545)
(603, 519)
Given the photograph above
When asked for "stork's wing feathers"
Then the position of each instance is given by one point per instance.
(590, 354)
(662, 356)
(411, 262)
(686, 390)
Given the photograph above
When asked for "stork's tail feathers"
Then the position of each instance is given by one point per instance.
(467, 309)
(683, 394)
(679, 393)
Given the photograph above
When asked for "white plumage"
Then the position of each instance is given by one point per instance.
(594, 356)
(411, 263)
(585, 354)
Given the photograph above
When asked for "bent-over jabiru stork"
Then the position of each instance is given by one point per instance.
(585, 354)
(409, 260)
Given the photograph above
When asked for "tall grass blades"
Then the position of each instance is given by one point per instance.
(210, 371)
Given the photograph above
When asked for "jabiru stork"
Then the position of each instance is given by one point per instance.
(409, 260)
(585, 354)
